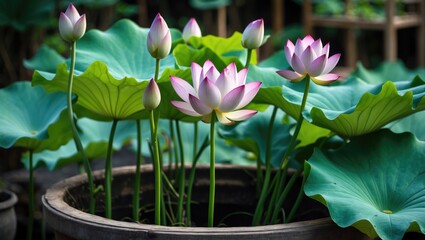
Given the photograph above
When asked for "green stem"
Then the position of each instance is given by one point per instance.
(299, 124)
(182, 176)
(108, 172)
(282, 197)
(136, 196)
(192, 180)
(212, 172)
(157, 69)
(291, 146)
(157, 169)
(31, 198)
(297, 201)
(76, 136)
(248, 58)
(260, 205)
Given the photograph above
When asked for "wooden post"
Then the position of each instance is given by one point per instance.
(307, 17)
(277, 13)
(221, 21)
(421, 35)
(390, 33)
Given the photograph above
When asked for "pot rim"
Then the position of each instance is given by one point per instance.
(10, 202)
(53, 204)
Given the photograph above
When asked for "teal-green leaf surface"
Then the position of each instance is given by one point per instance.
(31, 118)
(375, 183)
(94, 136)
(112, 69)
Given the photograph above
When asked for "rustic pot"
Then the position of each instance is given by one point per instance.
(7, 215)
(235, 188)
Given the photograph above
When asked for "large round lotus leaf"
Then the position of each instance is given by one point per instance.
(375, 183)
(412, 124)
(112, 69)
(30, 118)
(221, 51)
(94, 136)
(387, 71)
(351, 109)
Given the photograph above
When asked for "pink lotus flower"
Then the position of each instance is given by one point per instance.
(191, 30)
(310, 57)
(253, 34)
(159, 38)
(72, 26)
(223, 93)
(151, 96)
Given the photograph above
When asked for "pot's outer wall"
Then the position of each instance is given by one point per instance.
(71, 223)
(8, 216)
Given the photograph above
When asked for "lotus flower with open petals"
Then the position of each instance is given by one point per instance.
(224, 93)
(310, 57)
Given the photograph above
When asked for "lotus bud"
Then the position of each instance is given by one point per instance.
(72, 26)
(253, 34)
(191, 30)
(151, 96)
(159, 38)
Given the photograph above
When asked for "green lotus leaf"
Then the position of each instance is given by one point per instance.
(221, 51)
(111, 71)
(251, 135)
(46, 59)
(412, 124)
(387, 71)
(31, 118)
(350, 109)
(375, 183)
(99, 92)
(277, 60)
(94, 137)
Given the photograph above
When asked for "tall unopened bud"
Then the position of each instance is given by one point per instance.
(151, 96)
(72, 26)
(191, 30)
(159, 38)
(253, 34)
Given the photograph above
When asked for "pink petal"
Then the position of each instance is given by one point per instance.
(182, 88)
(325, 50)
(196, 75)
(239, 115)
(317, 66)
(242, 77)
(298, 65)
(231, 100)
(308, 40)
(199, 106)
(331, 63)
(227, 79)
(251, 89)
(185, 108)
(289, 50)
(325, 79)
(317, 47)
(308, 56)
(209, 94)
(299, 47)
(80, 27)
(66, 27)
(72, 13)
(210, 71)
(222, 119)
(291, 75)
